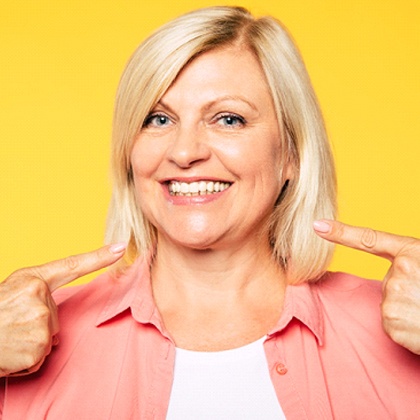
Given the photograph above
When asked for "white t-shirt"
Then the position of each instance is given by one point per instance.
(230, 384)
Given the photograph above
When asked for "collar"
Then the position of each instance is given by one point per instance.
(302, 303)
(133, 291)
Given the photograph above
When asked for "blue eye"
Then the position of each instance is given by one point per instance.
(231, 120)
(156, 120)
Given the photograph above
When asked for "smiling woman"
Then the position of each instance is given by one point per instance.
(212, 125)
(222, 308)
(254, 73)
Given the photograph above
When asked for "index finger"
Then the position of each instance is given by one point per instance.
(60, 272)
(383, 244)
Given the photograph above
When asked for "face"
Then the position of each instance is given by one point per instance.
(207, 161)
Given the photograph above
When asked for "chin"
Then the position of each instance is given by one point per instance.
(198, 244)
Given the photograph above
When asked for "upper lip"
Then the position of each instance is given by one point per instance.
(193, 179)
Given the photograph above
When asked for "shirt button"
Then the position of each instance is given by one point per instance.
(281, 369)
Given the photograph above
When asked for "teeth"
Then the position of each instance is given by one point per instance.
(197, 188)
(202, 186)
(194, 187)
(184, 188)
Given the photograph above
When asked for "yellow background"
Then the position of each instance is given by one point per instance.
(60, 65)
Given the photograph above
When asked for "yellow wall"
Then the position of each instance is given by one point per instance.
(60, 64)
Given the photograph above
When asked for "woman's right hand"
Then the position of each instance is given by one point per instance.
(28, 313)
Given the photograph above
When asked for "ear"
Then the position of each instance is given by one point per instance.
(290, 169)
(289, 172)
(288, 175)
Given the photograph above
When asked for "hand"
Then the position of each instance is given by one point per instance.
(28, 314)
(401, 286)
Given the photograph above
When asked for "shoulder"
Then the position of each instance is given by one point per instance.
(352, 318)
(351, 305)
(98, 286)
(108, 291)
(91, 293)
(348, 288)
(82, 304)
(358, 356)
(345, 282)
(351, 312)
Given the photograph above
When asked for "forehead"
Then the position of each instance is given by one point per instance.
(230, 70)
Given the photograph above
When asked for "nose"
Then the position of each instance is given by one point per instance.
(189, 147)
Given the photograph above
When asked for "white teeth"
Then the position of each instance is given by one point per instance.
(197, 188)
(202, 187)
(194, 187)
(184, 188)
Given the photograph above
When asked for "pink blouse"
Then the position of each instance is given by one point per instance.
(328, 356)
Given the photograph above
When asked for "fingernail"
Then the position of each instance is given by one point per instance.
(322, 226)
(118, 248)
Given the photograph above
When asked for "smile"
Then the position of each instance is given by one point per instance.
(197, 188)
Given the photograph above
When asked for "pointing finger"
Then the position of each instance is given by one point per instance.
(60, 272)
(383, 244)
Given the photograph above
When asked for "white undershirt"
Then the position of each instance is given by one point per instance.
(230, 384)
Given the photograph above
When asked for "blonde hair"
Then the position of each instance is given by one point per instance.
(154, 66)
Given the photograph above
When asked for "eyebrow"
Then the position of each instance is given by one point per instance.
(215, 101)
(230, 98)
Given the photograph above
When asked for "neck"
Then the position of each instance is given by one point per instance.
(217, 299)
(226, 274)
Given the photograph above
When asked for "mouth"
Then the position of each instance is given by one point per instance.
(188, 189)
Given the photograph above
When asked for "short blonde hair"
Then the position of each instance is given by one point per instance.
(154, 66)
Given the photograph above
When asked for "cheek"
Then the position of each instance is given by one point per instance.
(145, 159)
(143, 169)
(273, 159)
(269, 164)
(264, 159)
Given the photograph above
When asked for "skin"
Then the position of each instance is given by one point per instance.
(198, 141)
(200, 246)
(214, 266)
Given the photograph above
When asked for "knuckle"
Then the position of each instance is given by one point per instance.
(37, 287)
(368, 237)
(98, 254)
(393, 288)
(20, 277)
(44, 341)
(36, 366)
(403, 264)
(72, 263)
(102, 254)
(39, 348)
(390, 314)
(396, 328)
(36, 357)
(43, 315)
(22, 272)
(339, 230)
(396, 335)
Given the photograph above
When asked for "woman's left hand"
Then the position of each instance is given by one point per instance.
(401, 286)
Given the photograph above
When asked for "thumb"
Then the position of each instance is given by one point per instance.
(60, 272)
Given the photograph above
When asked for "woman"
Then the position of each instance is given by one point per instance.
(222, 307)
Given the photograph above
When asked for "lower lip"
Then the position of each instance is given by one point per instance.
(182, 200)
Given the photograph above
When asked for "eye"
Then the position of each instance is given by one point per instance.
(156, 120)
(230, 120)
